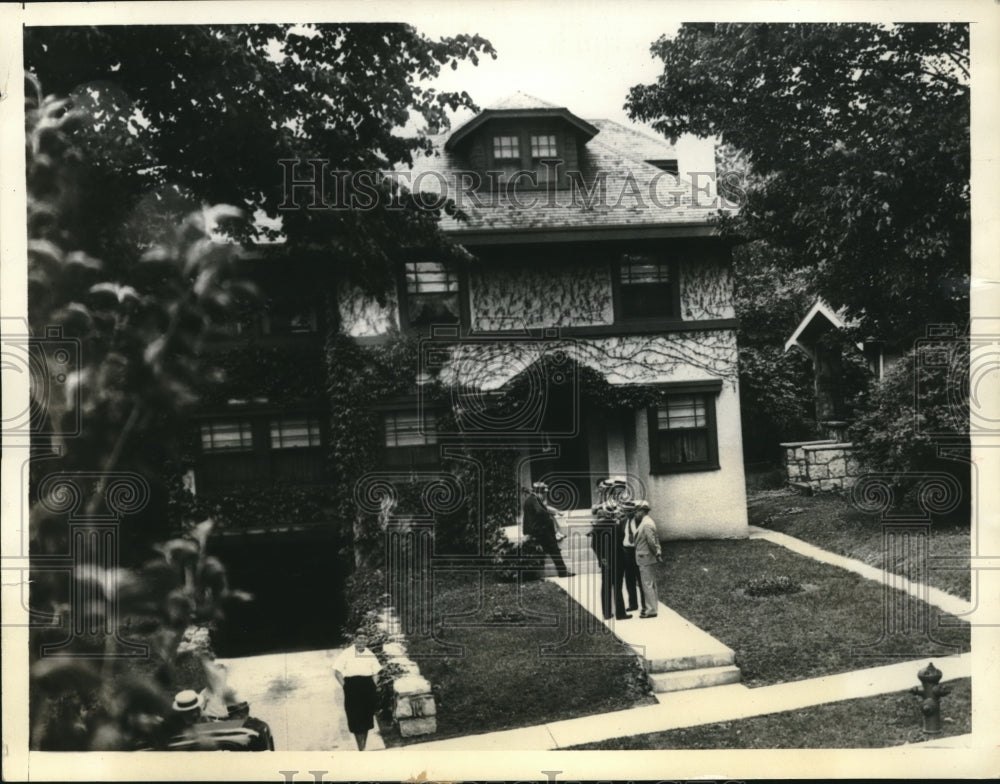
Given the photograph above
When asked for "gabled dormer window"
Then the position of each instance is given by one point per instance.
(506, 156)
(529, 151)
(543, 146)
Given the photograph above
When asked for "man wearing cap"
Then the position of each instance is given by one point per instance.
(647, 555)
(540, 525)
(606, 542)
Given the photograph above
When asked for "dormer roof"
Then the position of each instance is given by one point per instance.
(521, 105)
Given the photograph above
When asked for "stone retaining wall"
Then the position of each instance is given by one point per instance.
(413, 706)
(821, 466)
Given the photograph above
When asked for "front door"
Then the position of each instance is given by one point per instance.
(568, 471)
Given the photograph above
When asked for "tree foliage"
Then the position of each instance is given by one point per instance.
(158, 124)
(121, 394)
(857, 136)
(181, 115)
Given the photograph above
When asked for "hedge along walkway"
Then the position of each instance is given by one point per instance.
(935, 597)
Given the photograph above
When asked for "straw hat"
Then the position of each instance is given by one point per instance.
(187, 700)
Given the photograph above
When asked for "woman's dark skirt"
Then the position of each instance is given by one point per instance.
(360, 702)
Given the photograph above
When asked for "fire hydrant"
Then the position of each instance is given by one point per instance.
(931, 691)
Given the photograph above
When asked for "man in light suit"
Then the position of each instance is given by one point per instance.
(647, 555)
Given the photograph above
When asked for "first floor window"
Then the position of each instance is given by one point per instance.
(406, 429)
(410, 441)
(291, 318)
(292, 432)
(223, 436)
(683, 433)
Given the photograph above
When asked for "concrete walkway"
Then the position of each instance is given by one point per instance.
(935, 597)
(297, 694)
(704, 706)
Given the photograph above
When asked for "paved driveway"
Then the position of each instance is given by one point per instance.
(298, 696)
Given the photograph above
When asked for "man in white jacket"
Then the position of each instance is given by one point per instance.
(647, 555)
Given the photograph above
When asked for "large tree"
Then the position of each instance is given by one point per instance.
(857, 137)
(182, 115)
(138, 131)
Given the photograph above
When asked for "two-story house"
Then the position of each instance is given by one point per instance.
(594, 254)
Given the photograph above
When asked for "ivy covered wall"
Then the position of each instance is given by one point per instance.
(362, 314)
(540, 295)
(558, 291)
(634, 359)
(706, 289)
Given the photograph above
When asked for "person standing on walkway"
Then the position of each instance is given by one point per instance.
(356, 670)
(632, 580)
(647, 555)
(539, 523)
(606, 539)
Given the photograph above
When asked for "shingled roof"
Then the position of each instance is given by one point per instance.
(520, 100)
(616, 155)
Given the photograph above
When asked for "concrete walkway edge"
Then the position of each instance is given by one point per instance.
(704, 706)
(953, 605)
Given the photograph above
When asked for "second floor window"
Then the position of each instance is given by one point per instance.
(647, 287)
(431, 294)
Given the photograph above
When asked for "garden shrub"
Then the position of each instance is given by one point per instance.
(921, 405)
(770, 586)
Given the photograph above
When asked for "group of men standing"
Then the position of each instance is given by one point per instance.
(623, 537)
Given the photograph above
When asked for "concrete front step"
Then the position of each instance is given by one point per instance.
(681, 680)
(664, 662)
(675, 653)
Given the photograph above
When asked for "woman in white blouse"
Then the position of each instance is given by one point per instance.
(355, 670)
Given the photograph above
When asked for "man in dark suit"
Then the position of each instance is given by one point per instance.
(606, 542)
(540, 525)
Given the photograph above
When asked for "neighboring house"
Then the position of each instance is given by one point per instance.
(810, 337)
(829, 463)
(593, 247)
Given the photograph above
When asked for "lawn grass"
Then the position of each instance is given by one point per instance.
(798, 635)
(502, 679)
(829, 521)
(865, 723)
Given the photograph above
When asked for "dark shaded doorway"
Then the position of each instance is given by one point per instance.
(563, 427)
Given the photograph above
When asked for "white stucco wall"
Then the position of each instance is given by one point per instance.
(700, 504)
